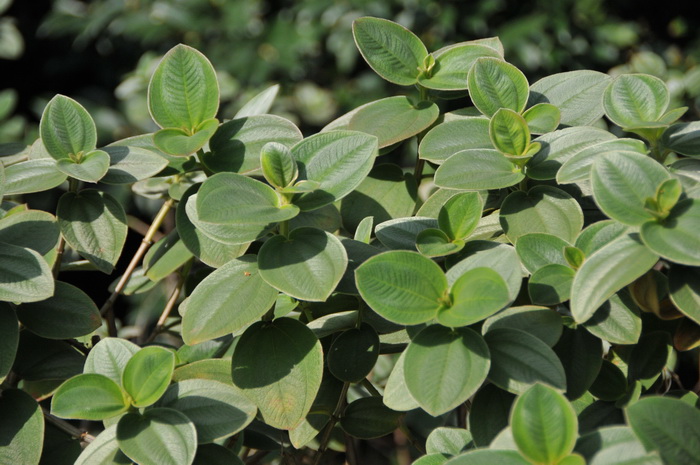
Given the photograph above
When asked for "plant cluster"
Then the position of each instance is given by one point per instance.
(541, 306)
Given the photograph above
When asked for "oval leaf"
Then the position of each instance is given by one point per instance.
(22, 428)
(33, 176)
(109, 358)
(24, 275)
(494, 84)
(476, 295)
(633, 100)
(369, 418)
(89, 397)
(478, 169)
(450, 137)
(67, 129)
(147, 375)
(354, 353)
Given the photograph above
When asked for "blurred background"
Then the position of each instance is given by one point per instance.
(102, 52)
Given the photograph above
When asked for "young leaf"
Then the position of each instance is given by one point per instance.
(635, 100)
(22, 428)
(67, 129)
(307, 265)
(444, 367)
(460, 215)
(403, 287)
(279, 366)
(544, 425)
(369, 418)
(260, 104)
(159, 436)
(509, 132)
(90, 167)
(89, 397)
(183, 143)
(450, 137)
(354, 353)
(109, 358)
(147, 375)
(452, 65)
(542, 118)
(476, 295)
(183, 91)
(94, 224)
(495, 84)
(435, 243)
(278, 165)
(478, 169)
(24, 275)
(393, 52)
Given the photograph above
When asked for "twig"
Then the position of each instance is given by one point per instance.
(141, 227)
(367, 384)
(350, 451)
(160, 325)
(59, 257)
(331, 424)
(67, 427)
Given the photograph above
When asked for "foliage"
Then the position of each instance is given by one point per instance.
(536, 308)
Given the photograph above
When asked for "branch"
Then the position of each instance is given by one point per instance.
(67, 427)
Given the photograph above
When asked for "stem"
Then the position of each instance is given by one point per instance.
(284, 228)
(73, 185)
(67, 427)
(367, 384)
(323, 446)
(411, 438)
(350, 451)
(146, 242)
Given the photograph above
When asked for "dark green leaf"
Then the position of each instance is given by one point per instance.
(581, 355)
(489, 414)
(24, 275)
(353, 353)
(368, 418)
(610, 384)
(551, 284)
(21, 428)
(541, 322)
(684, 290)
(9, 338)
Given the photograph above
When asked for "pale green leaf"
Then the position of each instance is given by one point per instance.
(147, 375)
(450, 137)
(67, 129)
(24, 275)
(495, 84)
(89, 397)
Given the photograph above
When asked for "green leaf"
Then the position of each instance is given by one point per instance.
(543, 209)
(488, 457)
(394, 119)
(450, 137)
(279, 366)
(683, 138)
(551, 284)
(307, 265)
(478, 169)
(519, 360)
(357, 252)
(353, 353)
(24, 275)
(669, 426)
(103, 450)
(581, 355)
(489, 414)
(542, 118)
(33, 229)
(607, 271)
(183, 91)
(32, 176)
(368, 418)
(578, 94)
(444, 367)
(69, 313)
(684, 290)
(494, 84)
(89, 397)
(109, 358)
(431, 459)
(402, 233)
(147, 375)
(67, 129)
(649, 357)
(509, 132)
(131, 163)
(634, 100)
(578, 167)
(214, 454)
(435, 243)
(396, 393)
(9, 338)
(217, 410)
(94, 224)
(615, 445)
(21, 429)
(40, 359)
(541, 322)
(214, 369)
(537, 250)
(235, 209)
(544, 425)
(338, 160)
(476, 295)
(448, 441)
(622, 181)
(403, 287)
(676, 238)
(159, 436)
(237, 144)
(452, 65)
(559, 146)
(260, 104)
(165, 257)
(617, 320)
(183, 143)
(598, 235)
(91, 167)
(278, 165)
(236, 285)
(610, 384)
(393, 52)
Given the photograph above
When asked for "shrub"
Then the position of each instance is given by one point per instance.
(540, 306)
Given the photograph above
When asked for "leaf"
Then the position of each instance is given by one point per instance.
(307, 265)
(542, 322)
(69, 313)
(214, 369)
(444, 367)
(617, 320)
(24, 275)
(614, 445)
(452, 65)
(159, 436)
(537, 250)
(607, 271)
(544, 425)
(489, 414)
(577, 94)
(542, 118)
(676, 237)
(214, 454)
(488, 457)
(394, 119)
(39, 359)
(551, 284)
(21, 429)
(402, 233)
(279, 366)
(353, 353)
(338, 160)
(391, 50)
(260, 104)
(217, 410)
(89, 397)
(543, 209)
(9, 338)
(32, 176)
(131, 163)
(683, 138)
(476, 295)
(649, 357)
(520, 360)
(610, 384)
(396, 394)
(667, 425)
(109, 358)
(368, 418)
(183, 91)
(448, 441)
(581, 355)
(494, 84)
(357, 252)
(598, 235)
(622, 181)
(478, 169)
(236, 285)
(183, 143)
(67, 129)
(401, 286)
(94, 224)
(235, 209)
(578, 167)
(103, 450)
(278, 165)
(147, 375)
(684, 290)
(509, 132)
(435, 243)
(91, 167)
(634, 100)
(165, 257)
(450, 137)
(237, 144)
(33, 229)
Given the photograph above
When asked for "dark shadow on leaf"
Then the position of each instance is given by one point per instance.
(227, 153)
(278, 253)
